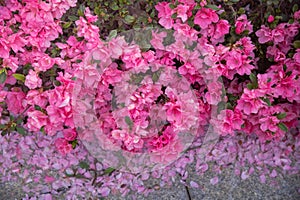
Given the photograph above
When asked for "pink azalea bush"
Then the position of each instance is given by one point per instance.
(139, 104)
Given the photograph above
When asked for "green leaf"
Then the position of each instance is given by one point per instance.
(42, 129)
(288, 73)
(36, 107)
(283, 127)
(155, 76)
(3, 76)
(2, 126)
(295, 8)
(74, 143)
(73, 18)
(296, 44)
(281, 115)
(80, 11)
(4, 132)
(112, 34)
(19, 77)
(267, 100)
(214, 7)
(172, 6)
(253, 78)
(67, 25)
(21, 130)
(129, 19)
(250, 86)
(284, 67)
(114, 7)
(174, 16)
(109, 170)
(234, 1)
(129, 122)
(84, 165)
(291, 21)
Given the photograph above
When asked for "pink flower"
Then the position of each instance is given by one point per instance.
(278, 35)
(234, 60)
(242, 24)
(185, 30)
(45, 63)
(36, 120)
(269, 123)
(250, 101)
(35, 97)
(228, 121)
(14, 100)
(133, 142)
(174, 112)
(12, 63)
(181, 11)
(63, 146)
(69, 134)
(297, 56)
(16, 42)
(297, 15)
(264, 34)
(4, 49)
(222, 28)
(205, 16)
(213, 96)
(32, 80)
(119, 134)
(165, 13)
(270, 18)
(5, 13)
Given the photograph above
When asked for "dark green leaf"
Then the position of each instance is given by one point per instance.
(288, 73)
(174, 16)
(283, 127)
(295, 8)
(4, 132)
(2, 126)
(291, 21)
(42, 129)
(129, 19)
(284, 67)
(172, 6)
(250, 86)
(281, 115)
(3, 76)
(109, 170)
(36, 107)
(81, 9)
(253, 78)
(73, 18)
(84, 165)
(155, 76)
(128, 121)
(114, 7)
(21, 130)
(267, 100)
(214, 7)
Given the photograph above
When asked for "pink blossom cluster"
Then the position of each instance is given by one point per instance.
(145, 103)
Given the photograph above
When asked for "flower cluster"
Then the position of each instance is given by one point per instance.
(69, 89)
